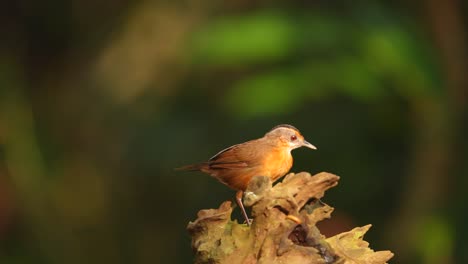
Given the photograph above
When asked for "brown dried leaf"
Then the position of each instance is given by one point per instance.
(352, 249)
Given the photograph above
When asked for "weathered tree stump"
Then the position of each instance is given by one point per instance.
(283, 229)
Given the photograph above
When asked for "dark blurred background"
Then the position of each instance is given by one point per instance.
(100, 100)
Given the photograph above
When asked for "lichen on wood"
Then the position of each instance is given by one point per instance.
(283, 229)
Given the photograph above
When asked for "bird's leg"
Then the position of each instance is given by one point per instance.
(239, 195)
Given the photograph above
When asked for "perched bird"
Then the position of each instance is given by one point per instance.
(267, 156)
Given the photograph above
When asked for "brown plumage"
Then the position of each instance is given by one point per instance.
(267, 156)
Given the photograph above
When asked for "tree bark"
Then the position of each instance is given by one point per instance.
(283, 229)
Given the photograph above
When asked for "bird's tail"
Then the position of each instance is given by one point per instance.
(191, 167)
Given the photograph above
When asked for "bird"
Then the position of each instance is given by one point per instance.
(269, 156)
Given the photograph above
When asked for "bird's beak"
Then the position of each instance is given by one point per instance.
(308, 145)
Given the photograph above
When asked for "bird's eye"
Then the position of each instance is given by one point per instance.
(293, 137)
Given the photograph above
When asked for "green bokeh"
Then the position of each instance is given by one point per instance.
(100, 101)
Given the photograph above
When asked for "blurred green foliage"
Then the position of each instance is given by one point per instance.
(100, 101)
(437, 236)
(314, 56)
(255, 38)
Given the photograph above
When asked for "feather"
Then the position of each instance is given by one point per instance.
(191, 167)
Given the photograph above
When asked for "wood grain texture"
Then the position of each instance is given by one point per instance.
(284, 227)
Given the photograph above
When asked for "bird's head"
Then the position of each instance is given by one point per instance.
(289, 137)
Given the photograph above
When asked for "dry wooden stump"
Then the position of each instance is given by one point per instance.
(283, 229)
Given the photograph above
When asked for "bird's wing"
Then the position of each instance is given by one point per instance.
(237, 156)
(220, 154)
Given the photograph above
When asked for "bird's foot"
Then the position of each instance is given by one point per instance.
(248, 221)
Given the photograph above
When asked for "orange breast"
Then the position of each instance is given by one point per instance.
(277, 164)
